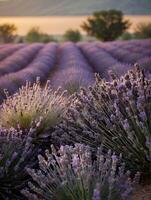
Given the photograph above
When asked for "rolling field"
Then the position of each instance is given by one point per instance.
(69, 65)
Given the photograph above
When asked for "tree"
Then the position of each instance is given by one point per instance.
(35, 35)
(7, 33)
(72, 35)
(143, 30)
(106, 25)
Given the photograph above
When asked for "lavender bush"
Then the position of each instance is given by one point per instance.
(16, 153)
(33, 106)
(117, 114)
(72, 174)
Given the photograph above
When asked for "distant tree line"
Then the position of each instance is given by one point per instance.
(35, 35)
(103, 25)
(7, 33)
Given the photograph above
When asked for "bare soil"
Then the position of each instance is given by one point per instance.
(143, 193)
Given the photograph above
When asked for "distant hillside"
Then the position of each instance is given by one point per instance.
(71, 7)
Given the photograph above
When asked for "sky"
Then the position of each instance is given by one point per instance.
(71, 7)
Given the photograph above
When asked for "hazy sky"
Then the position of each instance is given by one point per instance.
(71, 7)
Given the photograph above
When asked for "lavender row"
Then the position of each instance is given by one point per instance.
(76, 64)
(40, 67)
(102, 61)
(71, 51)
(19, 59)
(8, 50)
(136, 54)
(128, 52)
(5, 45)
(131, 43)
(72, 68)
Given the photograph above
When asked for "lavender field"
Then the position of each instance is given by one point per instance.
(68, 64)
(89, 139)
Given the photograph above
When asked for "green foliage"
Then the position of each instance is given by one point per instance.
(7, 33)
(143, 31)
(72, 35)
(35, 35)
(106, 25)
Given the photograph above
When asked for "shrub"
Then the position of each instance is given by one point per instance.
(16, 153)
(116, 114)
(72, 35)
(33, 106)
(70, 173)
(35, 35)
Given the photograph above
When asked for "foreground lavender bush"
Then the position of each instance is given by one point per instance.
(33, 106)
(117, 114)
(72, 174)
(16, 153)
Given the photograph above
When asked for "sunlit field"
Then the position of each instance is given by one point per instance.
(58, 25)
